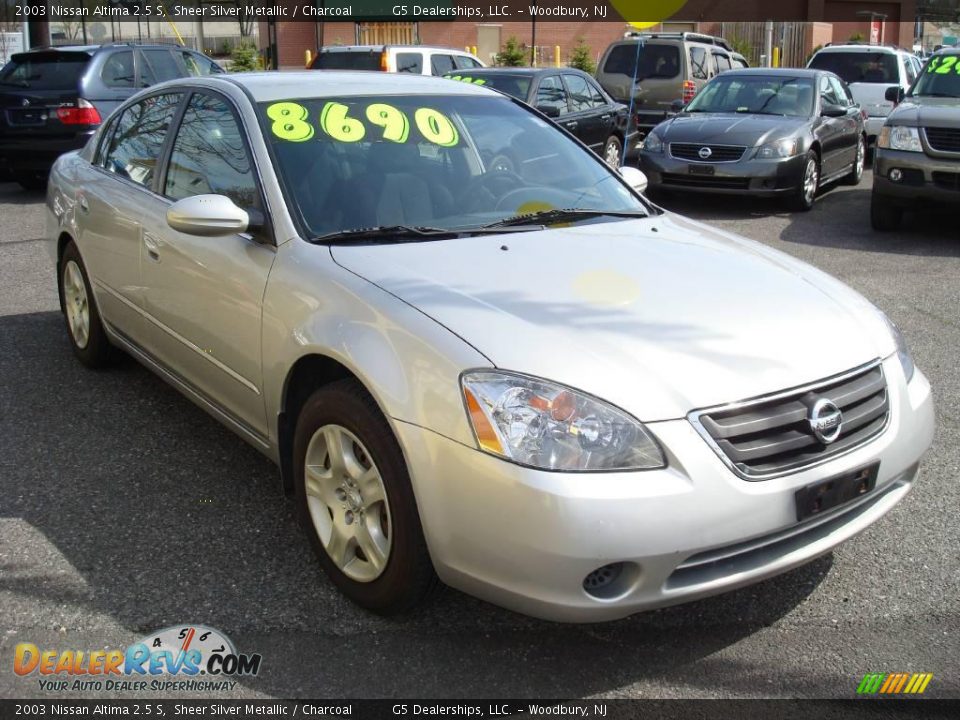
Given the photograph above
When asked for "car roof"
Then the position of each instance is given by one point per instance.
(514, 71)
(270, 86)
(776, 72)
(859, 47)
(947, 51)
(375, 48)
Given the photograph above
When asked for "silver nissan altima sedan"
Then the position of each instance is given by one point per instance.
(475, 352)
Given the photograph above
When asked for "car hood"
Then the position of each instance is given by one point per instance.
(659, 316)
(729, 128)
(927, 112)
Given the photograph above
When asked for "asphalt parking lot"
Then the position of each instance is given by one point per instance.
(125, 509)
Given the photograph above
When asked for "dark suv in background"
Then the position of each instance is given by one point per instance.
(53, 99)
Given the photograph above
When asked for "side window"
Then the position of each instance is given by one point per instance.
(551, 94)
(828, 95)
(410, 63)
(841, 92)
(739, 63)
(157, 66)
(596, 95)
(199, 66)
(720, 63)
(465, 63)
(579, 93)
(138, 139)
(117, 71)
(911, 70)
(440, 64)
(100, 157)
(698, 63)
(210, 155)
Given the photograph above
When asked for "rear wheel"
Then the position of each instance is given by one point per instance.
(613, 151)
(356, 503)
(856, 173)
(806, 193)
(884, 215)
(87, 336)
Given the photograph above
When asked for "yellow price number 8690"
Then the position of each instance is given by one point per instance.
(290, 123)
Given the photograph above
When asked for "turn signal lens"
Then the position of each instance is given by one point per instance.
(486, 435)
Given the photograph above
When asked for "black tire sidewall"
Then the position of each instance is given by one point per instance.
(408, 575)
(98, 352)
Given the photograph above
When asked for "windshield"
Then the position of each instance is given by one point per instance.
(755, 94)
(347, 60)
(435, 161)
(45, 71)
(860, 66)
(940, 77)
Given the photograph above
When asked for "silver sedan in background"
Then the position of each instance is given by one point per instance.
(531, 384)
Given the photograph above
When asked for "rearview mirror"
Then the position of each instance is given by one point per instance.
(635, 178)
(551, 111)
(207, 216)
(894, 94)
(831, 110)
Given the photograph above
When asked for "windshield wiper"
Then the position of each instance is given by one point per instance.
(933, 94)
(403, 233)
(546, 217)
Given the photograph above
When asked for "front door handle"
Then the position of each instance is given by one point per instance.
(153, 246)
(572, 124)
(83, 204)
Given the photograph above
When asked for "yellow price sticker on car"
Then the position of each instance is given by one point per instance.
(347, 124)
(468, 79)
(943, 65)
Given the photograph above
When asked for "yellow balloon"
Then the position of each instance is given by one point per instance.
(656, 10)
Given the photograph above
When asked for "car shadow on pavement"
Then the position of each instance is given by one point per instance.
(148, 513)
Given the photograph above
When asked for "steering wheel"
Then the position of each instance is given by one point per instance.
(499, 180)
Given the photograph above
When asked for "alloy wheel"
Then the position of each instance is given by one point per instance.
(347, 502)
(76, 304)
(811, 178)
(861, 158)
(611, 154)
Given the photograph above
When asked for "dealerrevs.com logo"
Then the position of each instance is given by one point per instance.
(178, 658)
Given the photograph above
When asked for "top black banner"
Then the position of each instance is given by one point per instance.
(641, 14)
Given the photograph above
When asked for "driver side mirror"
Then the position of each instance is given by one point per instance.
(677, 106)
(894, 94)
(551, 111)
(833, 111)
(635, 178)
(207, 216)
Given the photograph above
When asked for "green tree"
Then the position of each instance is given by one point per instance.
(581, 58)
(244, 58)
(513, 54)
(858, 37)
(744, 47)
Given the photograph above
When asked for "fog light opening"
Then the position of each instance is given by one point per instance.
(611, 581)
(895, 175)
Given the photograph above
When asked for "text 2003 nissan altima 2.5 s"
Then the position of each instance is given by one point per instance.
(531, 384)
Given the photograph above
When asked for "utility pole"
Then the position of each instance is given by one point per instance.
(768, 42)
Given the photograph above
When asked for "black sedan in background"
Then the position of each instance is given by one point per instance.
(763, 131)
(572, 99)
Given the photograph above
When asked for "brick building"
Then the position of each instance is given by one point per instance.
(828, 20)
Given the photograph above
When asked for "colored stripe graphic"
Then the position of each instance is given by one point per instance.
(894, 683)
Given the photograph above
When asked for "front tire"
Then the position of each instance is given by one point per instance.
(356, 503)
(809, 183)
(84, 327)
(32, 182)
(884, 215)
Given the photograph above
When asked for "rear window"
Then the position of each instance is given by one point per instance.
(45, 71)
(860, 66)
(656, 61)
(347, 61)
(517, 86)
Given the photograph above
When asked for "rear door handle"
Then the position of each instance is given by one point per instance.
(571, 124)
(153, 246)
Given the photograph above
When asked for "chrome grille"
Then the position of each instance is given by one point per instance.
(771, 436)
(718, 153)
(944, 139)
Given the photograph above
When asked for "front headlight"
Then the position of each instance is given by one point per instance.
(652, 143)
(779, 149)
(900, 137)
(538, 423)
(906, 359)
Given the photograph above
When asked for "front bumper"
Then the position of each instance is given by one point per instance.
(526, 539)
(926, 180)
(745, 177)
